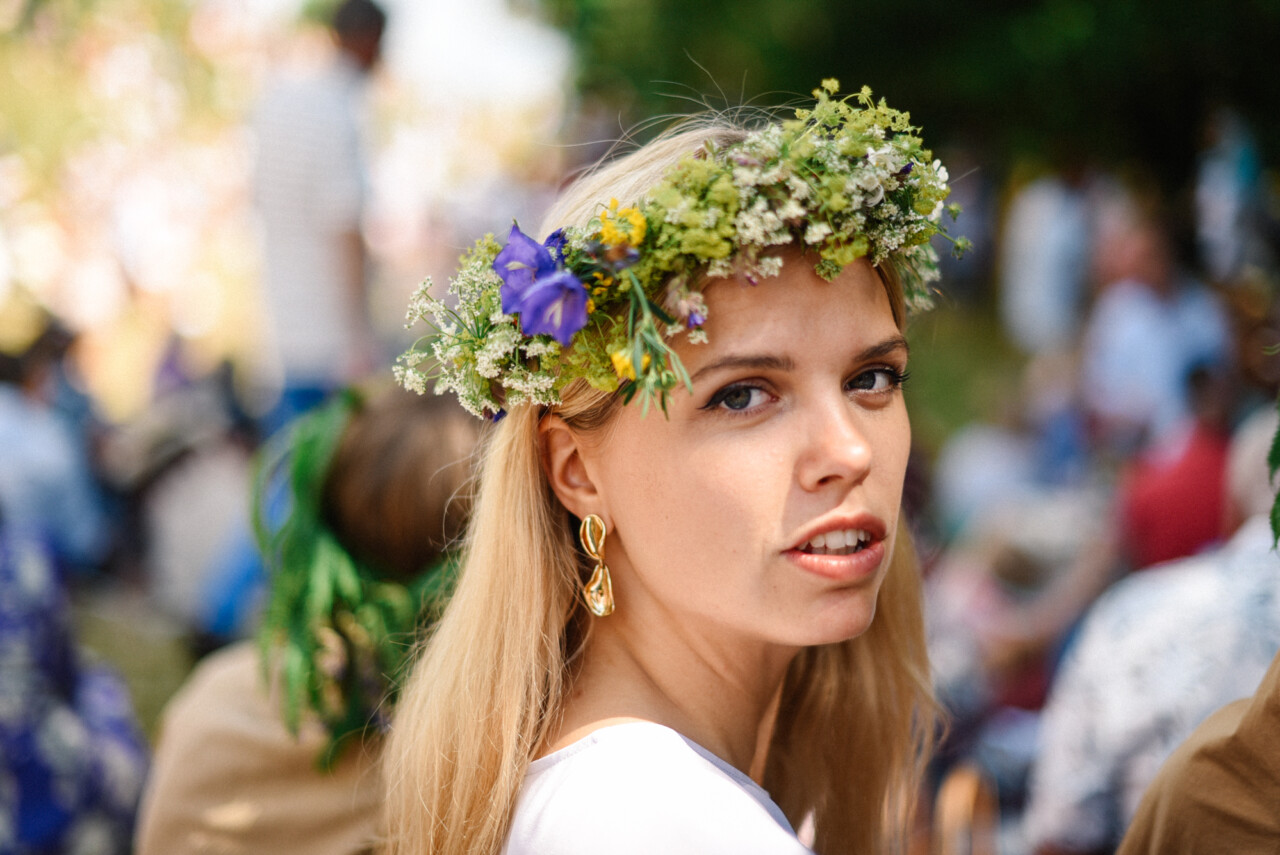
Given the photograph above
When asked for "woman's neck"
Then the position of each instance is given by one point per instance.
(723, 693)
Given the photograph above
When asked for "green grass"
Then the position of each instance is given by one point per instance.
(963, 369)
(123, 629)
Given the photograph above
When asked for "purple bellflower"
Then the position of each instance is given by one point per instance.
(522, 261)
(548, 299)
(555, 245)
(556, 305)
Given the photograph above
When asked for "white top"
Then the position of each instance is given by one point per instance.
(310, 187)
(639, 788)
(1043, 264)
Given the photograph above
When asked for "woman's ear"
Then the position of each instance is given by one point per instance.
(566, 469)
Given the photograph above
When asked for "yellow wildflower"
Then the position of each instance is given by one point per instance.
(625, 226)
(638, 224)
(623, 367)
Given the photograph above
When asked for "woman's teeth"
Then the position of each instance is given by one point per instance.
(844, 542)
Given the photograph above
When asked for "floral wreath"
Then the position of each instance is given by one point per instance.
(601, 302)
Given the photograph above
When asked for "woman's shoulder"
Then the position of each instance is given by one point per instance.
(227, 771)
(231, 675)
(642, 787)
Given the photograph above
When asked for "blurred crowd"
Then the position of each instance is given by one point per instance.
(1099, 568)
(1103, 575)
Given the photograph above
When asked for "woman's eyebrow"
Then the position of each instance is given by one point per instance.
(883, 349)
(758, 361)
(772, 362)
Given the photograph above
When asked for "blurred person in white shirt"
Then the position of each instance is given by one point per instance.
(310, 189)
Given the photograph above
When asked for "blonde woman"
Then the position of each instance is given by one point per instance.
(688, 619)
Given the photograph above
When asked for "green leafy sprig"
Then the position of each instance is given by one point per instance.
(334, 634)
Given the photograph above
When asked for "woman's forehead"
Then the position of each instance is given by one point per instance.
(797, 307)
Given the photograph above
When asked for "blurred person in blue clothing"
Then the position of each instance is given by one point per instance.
(1149, 326)
(1230, 203)
(72, 760)
(47, 486)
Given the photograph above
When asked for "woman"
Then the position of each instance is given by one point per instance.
(375, 483)
(703, 672)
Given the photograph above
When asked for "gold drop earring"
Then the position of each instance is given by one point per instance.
(598, 591)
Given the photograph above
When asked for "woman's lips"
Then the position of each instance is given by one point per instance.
(841, 568)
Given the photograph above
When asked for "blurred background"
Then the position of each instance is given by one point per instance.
(1074, 397)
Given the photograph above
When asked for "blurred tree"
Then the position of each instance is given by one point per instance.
(77, 72)
(1113, 80)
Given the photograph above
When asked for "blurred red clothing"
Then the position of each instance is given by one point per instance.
(1173, 503)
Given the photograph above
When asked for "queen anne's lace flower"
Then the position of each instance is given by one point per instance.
(598, 301)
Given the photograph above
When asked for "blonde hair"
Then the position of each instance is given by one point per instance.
(856, 718)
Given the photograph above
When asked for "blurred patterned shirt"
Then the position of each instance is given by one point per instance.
(72, 760)
(1158, 653)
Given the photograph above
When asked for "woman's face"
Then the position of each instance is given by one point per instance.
(765, 505)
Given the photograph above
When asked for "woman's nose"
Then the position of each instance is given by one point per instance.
(837, 450)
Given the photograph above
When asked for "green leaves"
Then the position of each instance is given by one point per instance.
(335, 634)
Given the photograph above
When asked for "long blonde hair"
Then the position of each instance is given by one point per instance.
(856, 719)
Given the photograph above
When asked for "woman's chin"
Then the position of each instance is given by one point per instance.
(834, 626)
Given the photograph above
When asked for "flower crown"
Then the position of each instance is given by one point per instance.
(601, 302)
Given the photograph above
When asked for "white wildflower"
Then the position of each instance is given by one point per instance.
(721, 267)
(886, 157)
(750, 227)
(498, 349)
(791, 210)
(816, 233)
(421, 304)
(770, 266)
(541, 347)
(410, 378)
(776, 174)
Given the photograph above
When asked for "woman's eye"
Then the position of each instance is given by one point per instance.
(882, 379)
(737, 398)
